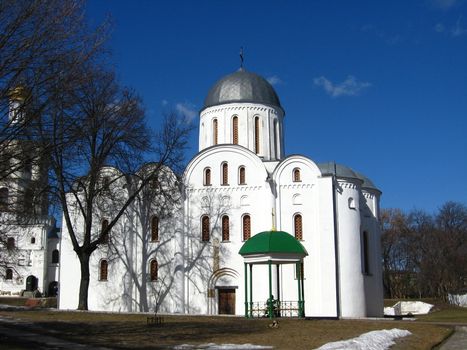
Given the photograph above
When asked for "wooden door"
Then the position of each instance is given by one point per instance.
(226, 301)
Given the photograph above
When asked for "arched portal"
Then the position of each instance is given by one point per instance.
(31, 283)
(222, 293)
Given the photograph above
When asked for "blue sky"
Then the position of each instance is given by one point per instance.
(380, 86)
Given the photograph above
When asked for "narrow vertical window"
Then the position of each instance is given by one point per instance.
(298, 227)
(276, 139)
(154, 270)
(225, 228)
(33, 240)
(241, 176)
(103, 269)
(256, 135)
(365, 258)
(205, 228)
(235, 130)
(246, 227)
(207, 177)
(215, 135)
(3, 199)
(154, 228)
(296, 175)
(10, 243)
(225, 174)
(9, 274)
(104, 232)
(55, 256)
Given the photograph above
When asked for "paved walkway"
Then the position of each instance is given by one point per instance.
(457, 341)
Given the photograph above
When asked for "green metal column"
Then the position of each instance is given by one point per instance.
(297, 267)
(251, 290)
(303, 289)
(270, 290)
(246, 290)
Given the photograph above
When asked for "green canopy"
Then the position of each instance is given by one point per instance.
(275, 242)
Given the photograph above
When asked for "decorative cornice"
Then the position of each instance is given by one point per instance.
(239, 108)
(368, 195)
(296, 186)
(348, 185)
(223, 189)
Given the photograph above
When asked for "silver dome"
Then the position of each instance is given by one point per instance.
(242, 86)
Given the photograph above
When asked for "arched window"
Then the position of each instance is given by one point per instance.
(298, 227)
(3, 199)
(215, 134)
(205, 228)
(207, 177)
(241, 176)
(256, 135)
(10, 243)
(225, 174)
(55, 256)
(8, 274)
(225, 228)
(296, 175)
(154, 228)
(246, 227)
(235, 130)
(351, 203)
(276, 139)
(103, 269)
(154, 270)
(365, 251)
(104, 225)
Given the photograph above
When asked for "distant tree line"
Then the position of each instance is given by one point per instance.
(425, 255)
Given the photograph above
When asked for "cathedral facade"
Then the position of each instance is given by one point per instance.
(184, 257)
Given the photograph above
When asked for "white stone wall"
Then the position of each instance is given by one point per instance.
(271, 138)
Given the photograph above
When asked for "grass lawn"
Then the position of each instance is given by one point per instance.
(130, 330)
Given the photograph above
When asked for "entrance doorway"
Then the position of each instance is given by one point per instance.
(226, 301)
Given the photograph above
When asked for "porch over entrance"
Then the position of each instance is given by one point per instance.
(273, 248)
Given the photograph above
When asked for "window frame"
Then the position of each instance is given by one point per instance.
(205, 228)
(55, 256)
(103, 270)
(225, 228)
(215, 131)
(207, 177)
(153, 270)
(295, 172)
(296, 228)
(235, 138)
(155, 228)
(244, 227)
(242, 177)
(224, 174)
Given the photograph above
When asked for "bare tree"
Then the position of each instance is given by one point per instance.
(425, 255)
(101, 124)
(42, 47)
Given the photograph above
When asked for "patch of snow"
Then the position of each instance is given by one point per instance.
(213, 346)
(406, 307)
(458, 299)
(375, 340)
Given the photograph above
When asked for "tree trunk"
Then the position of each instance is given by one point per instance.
(84, 283)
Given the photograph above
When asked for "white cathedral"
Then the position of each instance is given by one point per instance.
(309, 233)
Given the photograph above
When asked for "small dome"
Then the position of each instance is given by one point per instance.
(331, 168)
(367, 183)
(242, 86)
(273, 242)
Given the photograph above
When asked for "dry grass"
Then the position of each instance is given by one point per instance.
(130, 330)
